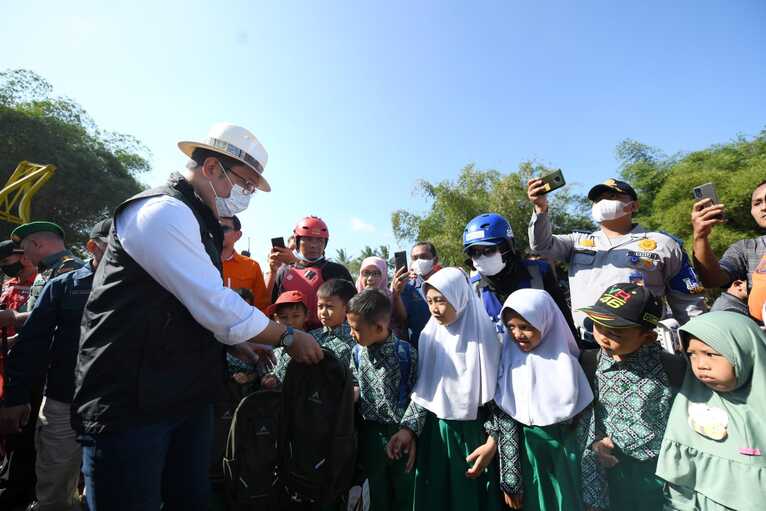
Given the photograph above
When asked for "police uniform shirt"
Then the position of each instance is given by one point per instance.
(55, 264)
(653, 259)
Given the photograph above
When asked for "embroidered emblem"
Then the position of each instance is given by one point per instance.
(588, 242)
(647, 244)
(708, 421)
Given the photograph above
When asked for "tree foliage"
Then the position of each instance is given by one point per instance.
(96, 169)
(454, 203)
(664, 185)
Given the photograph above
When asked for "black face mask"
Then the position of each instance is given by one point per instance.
(12, 270)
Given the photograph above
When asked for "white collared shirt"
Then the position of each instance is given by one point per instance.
(162, 235)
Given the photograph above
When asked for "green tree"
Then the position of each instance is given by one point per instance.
(342, 257)
(454, 203)
(96, 169)
(734, 168)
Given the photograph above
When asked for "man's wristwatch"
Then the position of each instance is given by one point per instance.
(286, 339)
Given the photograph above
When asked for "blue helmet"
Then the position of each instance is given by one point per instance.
(487, 229)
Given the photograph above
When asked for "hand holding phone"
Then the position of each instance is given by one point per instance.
(553, 181)
(400, 260)
(278, 242)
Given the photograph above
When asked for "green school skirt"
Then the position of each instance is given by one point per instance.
(440, 481)
(550, 467)
(633, 485)
(391, 488)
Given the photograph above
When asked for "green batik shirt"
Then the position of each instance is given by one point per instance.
(338, 340)
(378, 376)
(51, 266)
(632, 402)
(507, 433)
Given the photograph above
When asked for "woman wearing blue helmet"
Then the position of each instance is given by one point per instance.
(488, 242)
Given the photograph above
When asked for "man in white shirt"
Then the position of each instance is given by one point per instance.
(151, 356)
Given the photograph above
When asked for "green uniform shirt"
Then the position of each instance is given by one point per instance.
(632, 402)
(338, 340)
(378, 376)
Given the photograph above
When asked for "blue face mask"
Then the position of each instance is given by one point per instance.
(303, 258)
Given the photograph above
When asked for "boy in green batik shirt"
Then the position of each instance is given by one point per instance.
(632, 400)
(385, 369)
(332, 304)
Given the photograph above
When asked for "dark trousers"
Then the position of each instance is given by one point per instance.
(146, 466)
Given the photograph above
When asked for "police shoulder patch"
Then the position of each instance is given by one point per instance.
(647, 244)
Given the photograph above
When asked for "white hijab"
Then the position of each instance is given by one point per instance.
(547, 385)
(457, 364)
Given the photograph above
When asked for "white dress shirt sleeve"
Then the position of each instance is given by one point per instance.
(162, 235)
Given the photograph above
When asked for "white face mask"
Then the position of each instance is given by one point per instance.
(236, 202)
(609, 209)
(422, 266)
(489, 265)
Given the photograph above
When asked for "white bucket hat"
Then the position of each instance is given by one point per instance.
(238, 143)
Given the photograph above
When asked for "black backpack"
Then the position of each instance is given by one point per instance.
(317, 447)
(674, 365)
(251, 457)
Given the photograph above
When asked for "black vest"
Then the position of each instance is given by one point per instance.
(143, 357)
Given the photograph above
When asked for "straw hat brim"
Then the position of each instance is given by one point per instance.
(188, 147)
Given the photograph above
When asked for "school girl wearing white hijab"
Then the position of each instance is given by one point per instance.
(541, 388)
(458, 354)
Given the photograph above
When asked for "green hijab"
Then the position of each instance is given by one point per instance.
(726, 471)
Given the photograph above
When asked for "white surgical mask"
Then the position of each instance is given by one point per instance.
(608, 209)
(422, 266)
(305, 259)
(489, 265)
(236, 202)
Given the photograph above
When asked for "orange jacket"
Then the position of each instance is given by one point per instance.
(243, 272)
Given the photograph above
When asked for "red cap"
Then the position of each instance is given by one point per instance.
(286, 297)
(313, 227)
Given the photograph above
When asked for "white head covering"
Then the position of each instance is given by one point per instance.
(547, 385)
(457, 364)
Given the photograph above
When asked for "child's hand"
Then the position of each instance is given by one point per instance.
(269, 381)
(402, 443)
(356, 393)
(483, 456)
(514, 501)
(400, 279)
(603, 449)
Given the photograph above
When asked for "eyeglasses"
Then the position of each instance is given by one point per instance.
(370, 274)
(476, 252)
(247, 186)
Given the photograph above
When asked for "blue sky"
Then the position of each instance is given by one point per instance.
(355, 101)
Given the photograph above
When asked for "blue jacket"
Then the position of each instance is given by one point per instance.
(49, 340)
(418, 312)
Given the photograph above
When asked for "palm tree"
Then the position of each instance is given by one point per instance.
(342, 257)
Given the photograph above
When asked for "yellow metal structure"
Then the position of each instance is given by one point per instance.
(23, 184)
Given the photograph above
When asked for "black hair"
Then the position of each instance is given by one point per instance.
(235, 222)
(342, 288)
(200, 154)
(431, 247)
(246, 294)
(371, 305)
(282, 306)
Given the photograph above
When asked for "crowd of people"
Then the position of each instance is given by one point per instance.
(475, 388)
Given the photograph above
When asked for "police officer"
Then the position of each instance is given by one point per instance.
(500, 270)
(48, 343)
(43, 245)
(620, 251)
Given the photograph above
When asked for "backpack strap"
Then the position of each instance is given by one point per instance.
(403, 354)
(589, 362)
(675, 367)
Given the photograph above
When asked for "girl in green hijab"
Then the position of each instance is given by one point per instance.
(713, 454)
